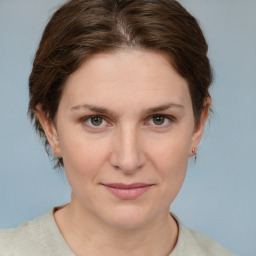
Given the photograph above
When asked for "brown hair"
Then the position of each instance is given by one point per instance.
(81, 28)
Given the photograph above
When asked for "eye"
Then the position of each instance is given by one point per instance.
(95, 121)
(160, 120)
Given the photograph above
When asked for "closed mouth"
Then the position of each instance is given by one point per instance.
(127, 191)
(127, 186)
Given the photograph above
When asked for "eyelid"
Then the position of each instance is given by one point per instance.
(163, 115)
(84, 118)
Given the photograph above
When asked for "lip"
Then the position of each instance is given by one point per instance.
(127, 191)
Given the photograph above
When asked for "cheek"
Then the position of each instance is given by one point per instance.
(171, 151)
(173, 166)
(173, 171)
(170, 159)
(83, 157)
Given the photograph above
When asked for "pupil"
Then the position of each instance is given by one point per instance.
(158, 120)
(96, 120)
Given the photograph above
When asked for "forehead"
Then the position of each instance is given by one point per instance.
(136, 76)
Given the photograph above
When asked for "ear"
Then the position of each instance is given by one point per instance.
(49, 130)
(199, 129)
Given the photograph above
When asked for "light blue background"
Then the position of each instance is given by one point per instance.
(219, 194)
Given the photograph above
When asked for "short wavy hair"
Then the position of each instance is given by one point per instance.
(81, 28)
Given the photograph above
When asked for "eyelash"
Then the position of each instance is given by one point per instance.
(170, 119)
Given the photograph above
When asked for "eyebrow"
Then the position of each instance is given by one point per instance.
(103, 110)
(164, 107)
(93, 108)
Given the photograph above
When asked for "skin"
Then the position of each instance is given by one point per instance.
(128, 146)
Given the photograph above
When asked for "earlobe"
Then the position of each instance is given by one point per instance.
(49, 130)
(198, 132)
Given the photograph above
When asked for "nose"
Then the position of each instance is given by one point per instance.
(127, 151)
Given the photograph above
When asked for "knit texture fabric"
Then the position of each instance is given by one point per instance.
(41, 237)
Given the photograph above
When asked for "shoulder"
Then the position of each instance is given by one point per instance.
(207, 245)
(193, 243)
(27, 239)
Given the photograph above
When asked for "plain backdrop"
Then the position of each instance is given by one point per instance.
(218, 196)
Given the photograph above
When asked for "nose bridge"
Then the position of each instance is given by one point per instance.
(128, 154)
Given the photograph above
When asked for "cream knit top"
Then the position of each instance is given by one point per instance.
(41, 237)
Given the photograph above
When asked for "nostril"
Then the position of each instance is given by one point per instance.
(128, 167)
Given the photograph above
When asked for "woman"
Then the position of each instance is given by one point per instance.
(119, 93)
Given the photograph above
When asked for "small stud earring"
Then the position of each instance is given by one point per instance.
(193, 150)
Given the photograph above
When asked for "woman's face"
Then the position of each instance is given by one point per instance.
(125, 130)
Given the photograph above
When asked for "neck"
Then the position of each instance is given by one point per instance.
(87, 235)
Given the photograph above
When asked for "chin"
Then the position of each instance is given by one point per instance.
(128, 217)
